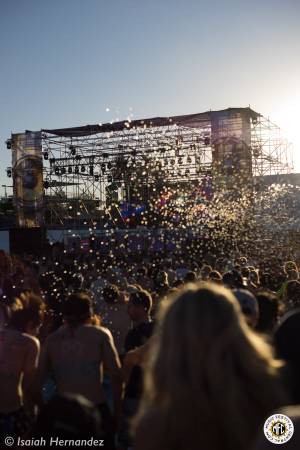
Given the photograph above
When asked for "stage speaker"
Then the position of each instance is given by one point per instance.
(27, 241)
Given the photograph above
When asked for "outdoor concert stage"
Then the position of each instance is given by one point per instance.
(150, 173)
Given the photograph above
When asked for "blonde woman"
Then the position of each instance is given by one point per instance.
(211, 381)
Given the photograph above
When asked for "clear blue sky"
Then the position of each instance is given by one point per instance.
(64, 62)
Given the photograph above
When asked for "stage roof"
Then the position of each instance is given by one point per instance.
(189, 120)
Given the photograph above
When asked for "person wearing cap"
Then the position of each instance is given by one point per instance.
(249, 306)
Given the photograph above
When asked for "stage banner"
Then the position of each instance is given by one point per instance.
(27, 167)
(231, 152)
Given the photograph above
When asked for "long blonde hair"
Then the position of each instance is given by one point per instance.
(211, 380)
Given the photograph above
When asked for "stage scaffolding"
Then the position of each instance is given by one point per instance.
(89, 170)
(271, 153)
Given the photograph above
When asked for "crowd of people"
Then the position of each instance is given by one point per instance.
(148, 351)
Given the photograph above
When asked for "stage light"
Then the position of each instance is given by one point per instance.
(207, 141)
(109, 165)
(46, 155)
(109, 179)
(52, 160)
(46, 184)
(8, 144)
(56, 171)
(78, 157)
(91, 170)
(82, 169)
(76, 169)
(63, 170)
(96, 177)
(9, 172)
(189, 160)
(103, 167)
(73, 150)
(70, 169)
(179, 160)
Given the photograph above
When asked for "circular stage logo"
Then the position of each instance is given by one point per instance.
(278, 429)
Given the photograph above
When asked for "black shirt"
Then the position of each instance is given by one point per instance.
(137, 337)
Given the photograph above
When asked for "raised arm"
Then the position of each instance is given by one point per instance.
(30, 372)
(44, 369)
(112, 363)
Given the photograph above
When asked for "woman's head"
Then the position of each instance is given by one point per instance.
(291, 270)
(198, 328)
(27, 313)
(207, 361)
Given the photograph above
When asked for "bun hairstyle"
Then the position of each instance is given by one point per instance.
(28, 308)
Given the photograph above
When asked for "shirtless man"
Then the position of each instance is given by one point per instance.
(19, 352)
(75, 355)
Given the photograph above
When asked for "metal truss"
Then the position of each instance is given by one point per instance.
(86, 177)
(271, 153)
(84, 174)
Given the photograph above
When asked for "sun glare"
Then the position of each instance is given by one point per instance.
(288, 119)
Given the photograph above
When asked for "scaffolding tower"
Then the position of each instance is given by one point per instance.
(89, 169)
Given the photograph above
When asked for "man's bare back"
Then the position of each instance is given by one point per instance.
(19, 354)
(75, 357)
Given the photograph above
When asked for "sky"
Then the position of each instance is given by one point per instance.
(76, 62)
